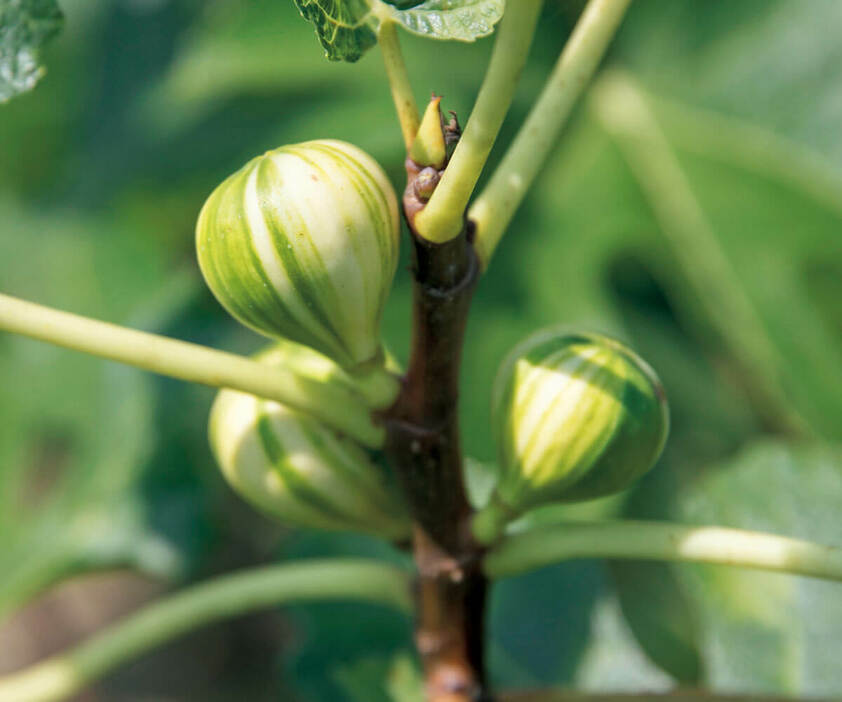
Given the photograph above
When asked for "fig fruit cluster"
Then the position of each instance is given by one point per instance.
(301, 245)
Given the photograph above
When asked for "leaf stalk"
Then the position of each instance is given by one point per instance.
(493, 210)
(191, 362)
(405, 105)
(662, 541)
(443, 217)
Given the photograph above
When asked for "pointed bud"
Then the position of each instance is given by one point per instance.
(577, 416)
(429, 147)
(293, 468)
(302, 243)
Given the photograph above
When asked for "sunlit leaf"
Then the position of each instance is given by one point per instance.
(761, 632)
(348, 28)
(462, 20)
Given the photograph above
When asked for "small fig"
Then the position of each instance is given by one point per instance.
(302, 243)
(577, 416)
(295, 469)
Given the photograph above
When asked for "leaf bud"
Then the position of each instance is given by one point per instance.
(302, 243)
(577, 416)
(430, 147)
(425, 183)
(290, 466)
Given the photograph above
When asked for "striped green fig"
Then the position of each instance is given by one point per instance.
(290, 466)
(302, 243)
(577, 416)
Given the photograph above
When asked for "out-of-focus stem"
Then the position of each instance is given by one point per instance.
(348, 579)
(493, 210)
(623, 109)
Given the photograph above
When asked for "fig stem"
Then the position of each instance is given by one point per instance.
(493, 209)
(661, 541)
(191, 362)
(405, 105)
(357, 580)
(443, 217)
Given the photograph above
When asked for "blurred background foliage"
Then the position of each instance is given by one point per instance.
(694, 208)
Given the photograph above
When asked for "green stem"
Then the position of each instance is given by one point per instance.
(228, 596)
(442, 219)
(191, 362)
(496, 205)
(399, 81)
(662, 542)
(624, 111)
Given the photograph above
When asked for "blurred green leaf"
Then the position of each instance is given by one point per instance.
(384, 679)
(777, 63)
(660, 617)
(348, 28)
(365, 644)
(75, 431)
(764, 632)
(540, 624)
(562, 625)
(463, 20)
(25, 25)
(613, 660)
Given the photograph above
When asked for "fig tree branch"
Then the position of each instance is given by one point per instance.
(424, 447)
(190, 362)
(662, 541)
(345, 579)
(493, 210)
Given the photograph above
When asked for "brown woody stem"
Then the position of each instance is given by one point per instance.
(423, 445)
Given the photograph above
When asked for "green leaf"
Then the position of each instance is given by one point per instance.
(352, 668)
(764, 632)
(562, 625)
(348, 28)
(739, 61)
(613, 661)
(461, 20)
(660, 616)
(385, 678)
(25, 25)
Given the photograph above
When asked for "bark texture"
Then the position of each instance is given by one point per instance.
(423, 446)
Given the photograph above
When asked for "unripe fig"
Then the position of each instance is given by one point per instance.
(577, 416)
(302, 243)
(292, 467)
